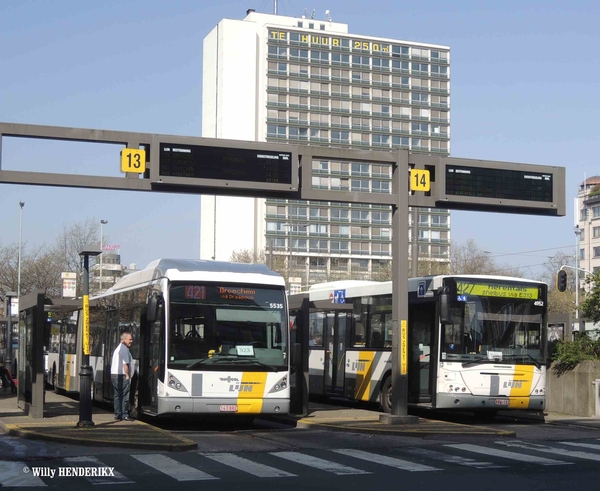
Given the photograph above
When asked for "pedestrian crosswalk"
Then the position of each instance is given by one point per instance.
(125, 469)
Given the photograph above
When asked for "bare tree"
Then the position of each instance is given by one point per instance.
(248, 256)
(73, 239)
(469, 258)
(41, 267)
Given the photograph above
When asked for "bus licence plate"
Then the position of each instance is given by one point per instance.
(228, 408)
(502, 402)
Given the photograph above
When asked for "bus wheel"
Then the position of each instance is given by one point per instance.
(386, 395)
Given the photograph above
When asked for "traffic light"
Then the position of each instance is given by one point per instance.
(561, 280)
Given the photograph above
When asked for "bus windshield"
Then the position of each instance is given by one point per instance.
(227, 327)
(493, 329)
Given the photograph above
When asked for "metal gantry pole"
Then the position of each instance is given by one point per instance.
(399, 413)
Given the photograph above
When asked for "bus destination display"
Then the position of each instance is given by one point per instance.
(482, 182)
(226, 164)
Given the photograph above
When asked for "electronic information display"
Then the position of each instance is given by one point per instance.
(482, 182)
(225, 164)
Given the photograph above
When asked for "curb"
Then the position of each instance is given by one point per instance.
(182, 444)
(421, 429)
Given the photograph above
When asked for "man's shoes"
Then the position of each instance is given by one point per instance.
(128, 418)
(117, 418)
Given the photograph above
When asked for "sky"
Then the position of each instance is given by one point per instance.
(524, 88)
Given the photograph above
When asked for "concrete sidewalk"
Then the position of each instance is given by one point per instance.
(61, 415)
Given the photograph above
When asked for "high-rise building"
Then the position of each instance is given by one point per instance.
(310, 82)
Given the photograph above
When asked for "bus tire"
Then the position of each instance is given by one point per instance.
(385, 398)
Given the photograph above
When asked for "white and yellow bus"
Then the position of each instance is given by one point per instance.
(209, 337)
(475, 343)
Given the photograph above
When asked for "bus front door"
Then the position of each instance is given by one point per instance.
(335, 355)
(421, 355)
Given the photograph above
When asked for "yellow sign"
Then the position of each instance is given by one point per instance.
(419, 180)
(404, 348)
(86, 325)
(133, 160)
(497, 290)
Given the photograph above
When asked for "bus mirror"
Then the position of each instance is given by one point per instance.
(445, 308)
(152, 307)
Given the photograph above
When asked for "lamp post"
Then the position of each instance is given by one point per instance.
(21, 204)
(577, 245)
(8, 339)
(102, 223)
(85, 375)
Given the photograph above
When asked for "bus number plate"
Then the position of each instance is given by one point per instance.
(502, 402)
(228, 408)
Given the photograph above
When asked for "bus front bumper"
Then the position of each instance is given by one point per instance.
(195, 405)
(490, 403)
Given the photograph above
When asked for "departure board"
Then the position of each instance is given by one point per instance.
(225, 164)
(498, 183)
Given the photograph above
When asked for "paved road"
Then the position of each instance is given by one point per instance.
(284, 466)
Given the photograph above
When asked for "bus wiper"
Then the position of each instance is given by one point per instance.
(478, 361)
(253, 361)
(523, 355)
(209, 361)
(232, 361)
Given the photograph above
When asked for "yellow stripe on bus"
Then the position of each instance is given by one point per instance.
(252, 391)
(521, 387)
(68, 372)
(364, 374)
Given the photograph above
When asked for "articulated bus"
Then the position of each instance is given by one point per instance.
(475, 343)
(209, 337)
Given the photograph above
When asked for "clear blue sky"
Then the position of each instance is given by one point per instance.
(524, 88)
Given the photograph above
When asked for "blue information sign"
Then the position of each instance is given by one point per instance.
(339, 296)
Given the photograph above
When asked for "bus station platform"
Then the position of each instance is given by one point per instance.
(61, 415)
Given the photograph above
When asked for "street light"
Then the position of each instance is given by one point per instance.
(21, 204)
(85, 376)
(102, 223)
(577, 245)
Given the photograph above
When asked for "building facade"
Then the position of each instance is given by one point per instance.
(305, 81)
(587, 225)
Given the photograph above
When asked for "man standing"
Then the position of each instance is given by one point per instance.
(120, 375)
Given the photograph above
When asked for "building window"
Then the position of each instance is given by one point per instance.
(299, 245)
(360, 265)
(318, 263)
(338, 264)
(276, 227)
(337, 214)
(439, 220)
(339, 247)
(298, 212)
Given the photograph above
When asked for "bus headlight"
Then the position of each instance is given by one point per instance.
(280, 385)
(174, 383)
